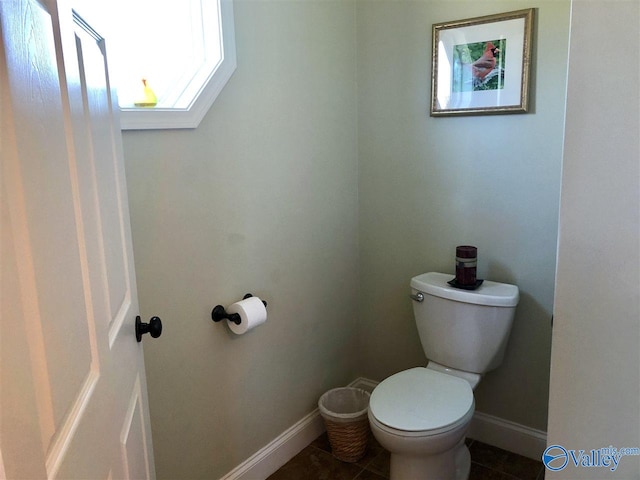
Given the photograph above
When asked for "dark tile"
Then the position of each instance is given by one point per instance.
(369, 475)
(480, 472)
(502, 461)
(374, 443)
(380, 464)
(522, 467)
(322, 442)
(315, 464)
(487, 455)
(373, 450)
(378, 459)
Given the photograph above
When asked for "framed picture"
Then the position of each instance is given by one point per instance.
(481, 65)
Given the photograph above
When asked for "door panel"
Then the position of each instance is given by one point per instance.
(47, 224)
(107, 176)
(74, 402)
(132, 438)
(19, 408)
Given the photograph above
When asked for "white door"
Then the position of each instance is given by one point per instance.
(73, 390)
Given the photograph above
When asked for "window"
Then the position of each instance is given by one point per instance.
(183, 49)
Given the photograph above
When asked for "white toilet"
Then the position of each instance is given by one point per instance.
(421, 415)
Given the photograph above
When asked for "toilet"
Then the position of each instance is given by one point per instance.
(421, 415)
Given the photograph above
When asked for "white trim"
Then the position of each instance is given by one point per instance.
(156, 119)
(508, 435)
(66, 434)
(279, 451)
(287, 445)
(495, 431)
(364, 384)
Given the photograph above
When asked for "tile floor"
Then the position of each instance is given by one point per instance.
(315, 462)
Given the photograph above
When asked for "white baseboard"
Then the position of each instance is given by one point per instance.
(364, 384)
(508, 435)
(485, 428)
(280, 450)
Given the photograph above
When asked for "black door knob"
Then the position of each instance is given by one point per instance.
(153, 328)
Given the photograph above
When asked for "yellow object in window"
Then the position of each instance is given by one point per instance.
(148, 98)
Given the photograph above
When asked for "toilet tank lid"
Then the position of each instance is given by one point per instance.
(489, 293)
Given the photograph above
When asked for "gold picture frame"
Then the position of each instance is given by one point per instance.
(481, 66)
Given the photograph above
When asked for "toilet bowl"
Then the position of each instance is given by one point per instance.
(421, 416)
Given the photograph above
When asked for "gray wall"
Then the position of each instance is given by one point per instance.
(429, 184)
(326, 199)
(596, 361)
(260, 198)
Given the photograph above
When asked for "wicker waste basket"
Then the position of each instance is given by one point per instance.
(344, 411)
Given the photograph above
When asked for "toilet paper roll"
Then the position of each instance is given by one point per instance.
(252, 313)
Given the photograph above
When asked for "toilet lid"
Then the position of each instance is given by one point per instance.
(420, 399)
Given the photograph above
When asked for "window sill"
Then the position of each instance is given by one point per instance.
(190, 117)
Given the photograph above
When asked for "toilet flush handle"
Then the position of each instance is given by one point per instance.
(418, 297)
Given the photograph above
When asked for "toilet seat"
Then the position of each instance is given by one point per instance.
(422, 402)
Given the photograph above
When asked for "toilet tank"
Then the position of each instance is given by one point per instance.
(464, 329)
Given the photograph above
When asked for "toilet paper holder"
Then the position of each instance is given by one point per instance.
(219, 313)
